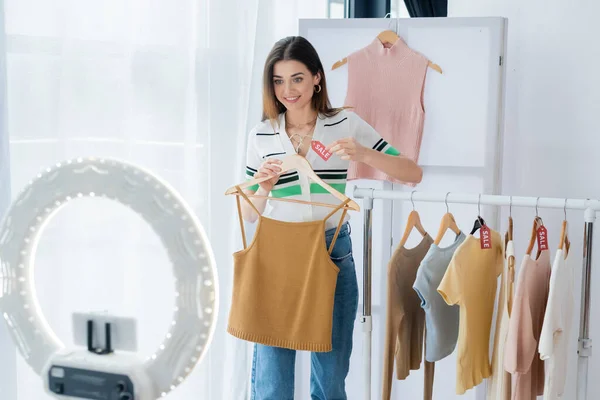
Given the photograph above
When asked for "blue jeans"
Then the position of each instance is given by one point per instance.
(273, 367)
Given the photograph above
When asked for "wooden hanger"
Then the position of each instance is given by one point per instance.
(386, 37)
(509, 232)
(537, 222)
(564, 238)
(564, 234)
(448, 222)
(414, 221)
(511, 260)
(301, 164)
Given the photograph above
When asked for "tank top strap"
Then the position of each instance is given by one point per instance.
(237, 198)
(241, 192)
(343, 204)
(337, 231)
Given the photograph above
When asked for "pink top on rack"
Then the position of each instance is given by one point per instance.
(385, 88)
(521, 357)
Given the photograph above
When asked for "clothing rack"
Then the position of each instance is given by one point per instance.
(590, 207)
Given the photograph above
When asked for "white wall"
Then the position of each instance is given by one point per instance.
(468, 52)
(552, 138)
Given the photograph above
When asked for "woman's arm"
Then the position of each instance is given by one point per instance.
(396, 166)
(256, 167)
(399, 166)
(248, 213)
(270, 167)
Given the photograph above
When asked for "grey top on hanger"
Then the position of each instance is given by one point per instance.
(441, 320)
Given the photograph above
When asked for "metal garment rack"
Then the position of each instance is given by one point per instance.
(590, 207)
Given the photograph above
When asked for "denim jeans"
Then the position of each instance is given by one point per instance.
(273, 367)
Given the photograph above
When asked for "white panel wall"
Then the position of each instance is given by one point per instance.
(461, 151)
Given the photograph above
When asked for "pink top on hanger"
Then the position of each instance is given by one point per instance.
(521, 356)
(385, 88)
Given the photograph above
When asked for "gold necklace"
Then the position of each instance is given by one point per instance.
(287, 123)
(298, 140)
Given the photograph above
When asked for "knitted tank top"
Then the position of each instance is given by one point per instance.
(284, 284)
(385, 88)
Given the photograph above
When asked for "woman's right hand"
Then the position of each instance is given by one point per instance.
(271, 167)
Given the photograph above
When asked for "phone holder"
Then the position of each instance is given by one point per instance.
(90, 339)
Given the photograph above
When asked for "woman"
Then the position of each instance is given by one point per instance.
(297, 113)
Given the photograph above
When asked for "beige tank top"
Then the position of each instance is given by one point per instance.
(284, 284)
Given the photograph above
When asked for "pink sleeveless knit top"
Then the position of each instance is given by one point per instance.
(385, 88)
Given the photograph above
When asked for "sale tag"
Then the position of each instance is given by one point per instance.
(319, 148)
(485, 237)
(542, 238)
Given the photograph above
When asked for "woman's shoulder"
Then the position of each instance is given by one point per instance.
(345, 120)
(342, 114)
(265, 127)
(337, 117)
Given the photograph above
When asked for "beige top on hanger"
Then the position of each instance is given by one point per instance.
(386, 37)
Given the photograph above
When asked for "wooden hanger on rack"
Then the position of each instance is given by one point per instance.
(414, 221)
(386, 37)
(537, 223)
(301, 164)
(538, 227)
(509, 232)
(511, 260)
(564, 234)
(448, 222)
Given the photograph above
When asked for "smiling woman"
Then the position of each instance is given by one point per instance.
(290, 90)
(299, 119)
(294, 80)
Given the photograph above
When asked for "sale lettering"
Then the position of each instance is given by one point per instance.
(542, 238)
(320, 149)
(485, 237)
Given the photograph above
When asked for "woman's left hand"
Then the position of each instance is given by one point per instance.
(348, 149)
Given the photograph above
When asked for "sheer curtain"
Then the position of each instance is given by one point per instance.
(173, 86)
(8, 359)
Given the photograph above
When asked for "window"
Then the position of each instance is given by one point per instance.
(337, 8)
(398, 9)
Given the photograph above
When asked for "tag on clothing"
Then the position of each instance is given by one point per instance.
(485, 237)
(319, 148)
(542, 238)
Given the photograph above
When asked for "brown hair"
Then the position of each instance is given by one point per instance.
(299, 49)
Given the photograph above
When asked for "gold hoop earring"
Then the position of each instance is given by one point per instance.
(317, 88)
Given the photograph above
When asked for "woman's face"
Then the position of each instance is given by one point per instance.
(294, 84)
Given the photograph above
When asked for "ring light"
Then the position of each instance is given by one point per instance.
(196, 286)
